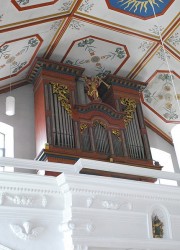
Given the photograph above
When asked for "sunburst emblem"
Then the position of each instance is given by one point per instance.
(139, 5)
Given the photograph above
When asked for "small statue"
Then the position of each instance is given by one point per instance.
(157, 225)
(92, 84)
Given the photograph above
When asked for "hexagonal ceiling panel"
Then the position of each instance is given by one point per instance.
(94, 54)
(13, 61)
(143, 9)
(160, 95)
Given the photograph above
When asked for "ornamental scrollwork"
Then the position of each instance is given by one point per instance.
(98, 122)
(83, 126)
(117, 133)
(63, 94)
(130, 107)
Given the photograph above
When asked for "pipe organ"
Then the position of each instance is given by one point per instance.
(88, 117)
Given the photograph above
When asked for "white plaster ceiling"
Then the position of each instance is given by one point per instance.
(120, 37)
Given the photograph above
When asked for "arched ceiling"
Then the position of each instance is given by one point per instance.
(120, 37)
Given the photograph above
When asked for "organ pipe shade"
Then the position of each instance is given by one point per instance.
(10, 105)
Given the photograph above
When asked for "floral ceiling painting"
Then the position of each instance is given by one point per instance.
(13, 61)
(98, 56)
(162, 96)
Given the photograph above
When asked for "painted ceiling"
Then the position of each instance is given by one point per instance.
(120, 37)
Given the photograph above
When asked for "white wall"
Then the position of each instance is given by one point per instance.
(157, 142)
(22, 121)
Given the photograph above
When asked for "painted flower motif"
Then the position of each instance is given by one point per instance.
(22, 2)
(18, 67)
(167, 116)
(160, 96)
(6, 56)
(55, 25)
(33, 42)
(102, 71)
(166, 77)
(3, 48)
(168, 105)
(66, 6)
(120, 53)
(77, 62)
(86, 42)
(77, 25)
(174, 39)
(167, 88)
(145, 45)
(2, 66)
(147, 95)
(10, 59)
(170, 116)
(86, 6)
(156, 30)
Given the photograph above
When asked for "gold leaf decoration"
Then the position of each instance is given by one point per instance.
(95, 123)
(63, 94)
(83, 126)
(130, 107)
(117, 133)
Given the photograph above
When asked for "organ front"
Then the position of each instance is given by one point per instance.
(77, 116)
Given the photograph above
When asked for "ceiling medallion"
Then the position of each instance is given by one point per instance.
(143, 9)
(95, 59)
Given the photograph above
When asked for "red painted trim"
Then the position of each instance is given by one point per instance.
(136, 16)
(171, 52)
(63, 30)
(104, 40)
(32, 6)
(32, 58)
(161, 71)
(27, 25)
(110, 27)
(144, 60)
(170, 29)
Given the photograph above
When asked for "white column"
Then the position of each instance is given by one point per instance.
(175, 132)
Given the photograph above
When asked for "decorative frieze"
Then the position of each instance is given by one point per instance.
(22, 200)
(73, 225)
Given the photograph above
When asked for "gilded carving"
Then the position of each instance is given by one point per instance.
(117, 133)
(63, 96)
(100, 123)
(92, 84)
(130, 107)
(83, 126)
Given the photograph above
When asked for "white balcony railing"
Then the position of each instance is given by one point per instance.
(84, 163)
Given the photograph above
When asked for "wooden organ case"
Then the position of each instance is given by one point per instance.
(80, 117)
